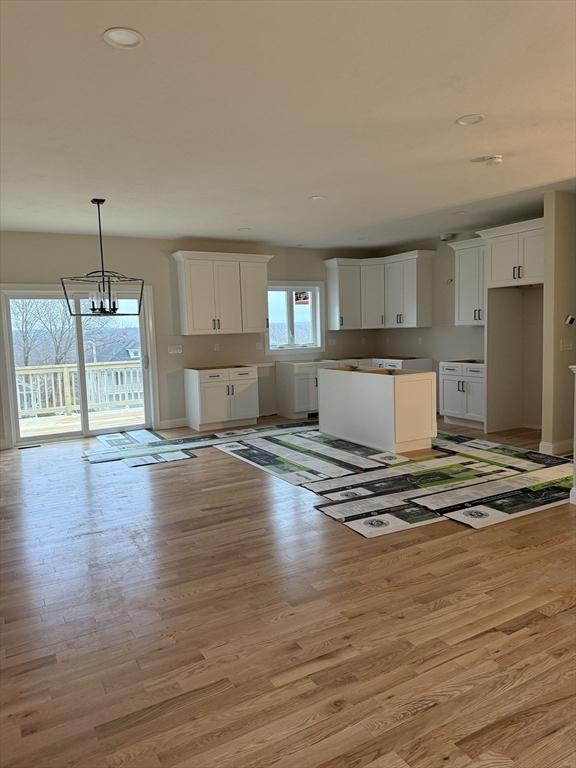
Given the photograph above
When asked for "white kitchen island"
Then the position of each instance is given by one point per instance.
(384, 409)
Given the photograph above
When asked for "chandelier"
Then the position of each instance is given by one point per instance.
(102, 286)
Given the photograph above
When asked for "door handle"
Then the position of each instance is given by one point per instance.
(475, 318)
(227, 389)
(218, 321)
(213, 325)
(519, 271)
(232, 389)
(401, 318)
(479, 314)
(514, 273)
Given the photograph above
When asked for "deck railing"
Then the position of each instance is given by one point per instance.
(54, 389)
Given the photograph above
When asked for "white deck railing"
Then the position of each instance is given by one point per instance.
(52, 389)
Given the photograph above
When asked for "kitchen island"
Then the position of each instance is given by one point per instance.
(384, 409)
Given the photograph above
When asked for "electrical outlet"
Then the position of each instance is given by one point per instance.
(175, 349)
(259, 345)
(331, 342)
(419, 339)
(216, 347)
(566, 345)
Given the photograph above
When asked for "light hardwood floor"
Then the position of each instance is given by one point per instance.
(205, 615)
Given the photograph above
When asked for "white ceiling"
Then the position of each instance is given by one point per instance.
(233, 113)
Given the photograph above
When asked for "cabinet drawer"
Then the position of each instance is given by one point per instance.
(473, 370)
(451, 368)
(243, 374)
(214, 374)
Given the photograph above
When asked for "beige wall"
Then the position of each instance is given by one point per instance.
(42, 258)
(559, 300)
(444, 340)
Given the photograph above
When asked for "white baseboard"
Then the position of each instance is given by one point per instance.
(556, 449)
(573, 496)
(171, 424)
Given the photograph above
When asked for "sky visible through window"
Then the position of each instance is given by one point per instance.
(286, 304)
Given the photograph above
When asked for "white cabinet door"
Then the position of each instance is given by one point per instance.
(243, 400)
(350, 297)
(372, 279)
(227, 293)
(394, 282)
(198, 308)
(531, 257)
(254, 286)
(475, 407)
(468, 289)
(409, 312)
(502, 253)
(452, 399)
(214, 402)
(305, 394)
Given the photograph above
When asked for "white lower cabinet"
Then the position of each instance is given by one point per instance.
(462, 391)
(221, 396)
(297, 387)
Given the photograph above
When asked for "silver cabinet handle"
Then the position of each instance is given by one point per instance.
(480, 314)
(341, 321)
(316, 381)
(475, 318)
(474, 370)
(520, 271)
(401, 317)
(218, 321)
(213, 325)
(227, 389)
(232, 389)
(243, 374)
(381, 319)
(514, 273)
(213, 375)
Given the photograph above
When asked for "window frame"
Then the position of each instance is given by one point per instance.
(316, 289)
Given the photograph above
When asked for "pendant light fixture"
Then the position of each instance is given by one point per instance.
(102, 286)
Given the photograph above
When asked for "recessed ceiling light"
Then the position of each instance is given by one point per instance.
(488, 159)
(317, 197)
(470, 119)
(123, 37)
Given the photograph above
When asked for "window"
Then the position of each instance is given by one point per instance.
(294, 317)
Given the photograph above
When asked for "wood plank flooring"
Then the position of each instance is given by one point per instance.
(205, 615)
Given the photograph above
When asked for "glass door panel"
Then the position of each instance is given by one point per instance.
(45, 367)
(114, 376)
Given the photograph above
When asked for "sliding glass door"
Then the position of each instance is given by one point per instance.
(76, 375)
(45, 354)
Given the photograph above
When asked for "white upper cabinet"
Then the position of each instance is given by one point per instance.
(384, 292)
(469, 282)
(254, 292)
(373, 295)
(514, 254)
(394, 279)
(344, 294)
(222, 292)
(228, 299)
(408, 282)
